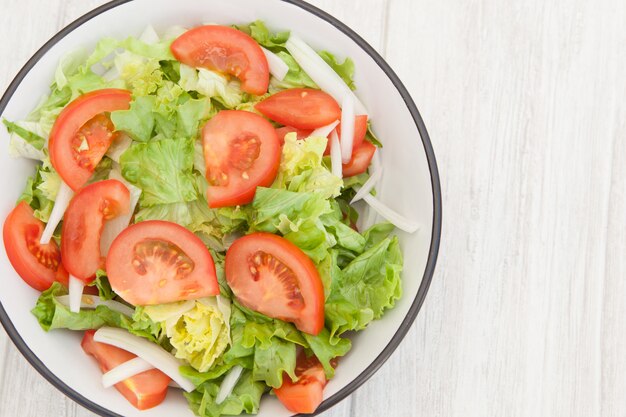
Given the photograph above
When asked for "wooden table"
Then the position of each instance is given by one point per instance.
(524, 102)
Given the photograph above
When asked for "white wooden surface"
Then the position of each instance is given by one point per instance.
(525, 104)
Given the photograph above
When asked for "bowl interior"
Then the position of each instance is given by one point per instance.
(406, 183)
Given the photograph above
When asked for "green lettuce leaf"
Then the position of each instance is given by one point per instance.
(301, 167)
(162, 169)
(137, 121)
(275, 42)
(41, 190)
(211, 84)
(365, 288)
(245, 397)
(31, 138)
(345, 69)
(295, 78)
(327, 348)
(271, 362)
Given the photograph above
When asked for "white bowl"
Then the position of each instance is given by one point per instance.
(410, 185)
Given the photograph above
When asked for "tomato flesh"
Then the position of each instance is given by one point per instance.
(158, 262)
(38, 265)
(82, 134)
(306, 394)
(361, 159)
(83, 223)
(241, 152)
(302, 108)
(227, 50)
(285, 130)
(145, 390)
(360, 130)
(271, 275)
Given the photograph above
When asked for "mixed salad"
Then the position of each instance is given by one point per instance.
(193, 214)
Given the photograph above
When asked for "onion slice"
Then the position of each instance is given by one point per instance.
(335, 155)
(149, 36)
(119, 146)
(320, 72)
(347, 128)
(148, 351)
(62, 200)
(124, 371)
(228, 384)
(115, 226)
(368, 186)
(278, 68)
(75, 296)
(89, 301)
(395, 218)
(324, 131)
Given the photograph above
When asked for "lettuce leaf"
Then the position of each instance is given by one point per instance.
(41, 190)
(365, 288)
(162, 169)
(345, 70)
(327, 348)
(295, 78)
(137, 121)
(245, 398)
(33, 139)
(301, 167)
(275, 42)
(211, 84)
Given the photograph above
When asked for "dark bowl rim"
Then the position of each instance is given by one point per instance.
(436, 226)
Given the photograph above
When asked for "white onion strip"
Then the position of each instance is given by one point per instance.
(148, 351)
(324, 131)
(368, 186)
(115, 226)
(395, 218)
(347, 128)
(119, 146)
(320, 72)
(278, 68)
(75, 296)
(89, 301)
(62, 200)
(124, 371)
(335, 155)
(149, 36)
(228, 384)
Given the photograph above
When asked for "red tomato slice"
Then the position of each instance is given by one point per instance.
(360, 130)
(145, 390)
(82, 134)
(305, 395)
(302, 108)
(226, 50)
(283, 131)
(83, 222)
(38, 265)
(361, 159)
(158, 262)
(241, 151)
(273, 276)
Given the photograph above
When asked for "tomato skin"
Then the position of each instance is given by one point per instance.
(73, 166)
(360, 130)
(306, 394)
(21, 233)
(241, 152)
(226, 50)
(361, 159)
(145, 390)
(271, 275)
(302, 108)
(83, 223)
(285, 130)
(158, 262)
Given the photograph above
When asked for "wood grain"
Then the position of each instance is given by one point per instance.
(524, 102)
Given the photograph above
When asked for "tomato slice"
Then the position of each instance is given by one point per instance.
(82, 134)
(241, 151)
(83, 222)
(145, 390)
(361, 159)
(273, 276)
(283, 131)
(157, 262)
(302, 108)
(226, 50)
(306, 394)
(38, 265)
(360, 130)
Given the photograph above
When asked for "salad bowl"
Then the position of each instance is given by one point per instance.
(409, 185)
